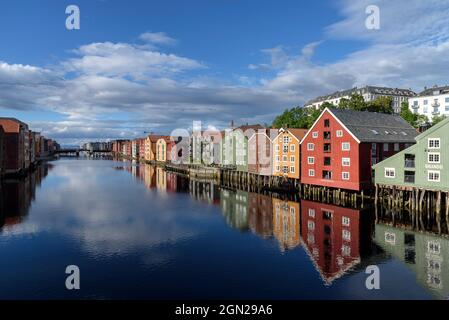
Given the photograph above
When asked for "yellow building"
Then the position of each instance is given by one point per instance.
(163, 149)
(150, 147)
(286, 153)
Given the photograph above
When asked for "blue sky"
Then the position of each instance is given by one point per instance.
(138, 66)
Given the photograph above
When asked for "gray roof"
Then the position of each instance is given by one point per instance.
(376, 127)
(430, 91)
(367, 89)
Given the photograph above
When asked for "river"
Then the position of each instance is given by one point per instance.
(138, 232)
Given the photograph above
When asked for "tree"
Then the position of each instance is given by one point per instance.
(299, 117)
(381, 104)
(416, 120)
(356, 102)
(437, 119)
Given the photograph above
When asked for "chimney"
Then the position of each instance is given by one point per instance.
(232, 124)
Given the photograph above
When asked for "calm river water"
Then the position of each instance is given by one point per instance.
(139, 232)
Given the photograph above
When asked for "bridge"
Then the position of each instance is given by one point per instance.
(76, 151)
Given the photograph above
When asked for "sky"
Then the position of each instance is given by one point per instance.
(138, 66)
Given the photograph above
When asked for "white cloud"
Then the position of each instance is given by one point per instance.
(157, 38)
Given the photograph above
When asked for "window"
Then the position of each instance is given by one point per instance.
(346, 251)
(345, 146)
(327, 123)
(285, 148)
(327, 161)
(345, 175)
(434, 157)
(311, 173)
(327, 135)
(345, 162)
(278, 168)
(386, 147)
(390, 238)
(425, 102)
(278, 158)
(327, 147)
(285, 139)
(396, 147)
(315, 134)
(311, 225)
(339, 133)
(390, 172)
(346, 235)
(310, 147)
(345, 221)
(285, 169)
(278, 148)
(312, 213)
(446, 99)
(292, 169)
(284, 158)
(433, 143)
(433, 176)
(327, 174)
(433, 247)
(310, 160)
(292, 148)
(292, 159)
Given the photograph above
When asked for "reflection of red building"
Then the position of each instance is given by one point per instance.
(260, 211)
(171, 181)
(331, 236)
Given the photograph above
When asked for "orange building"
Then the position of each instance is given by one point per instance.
(286, 223)
(287, 153)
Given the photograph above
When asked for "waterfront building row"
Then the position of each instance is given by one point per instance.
(338, 151)
(21, 148)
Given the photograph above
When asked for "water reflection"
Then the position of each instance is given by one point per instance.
(16, 196)
(167, 229)
(411, 239)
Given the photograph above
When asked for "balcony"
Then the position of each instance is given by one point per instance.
(435, 111)
(409, 161)
(409, 177)
(415, 106)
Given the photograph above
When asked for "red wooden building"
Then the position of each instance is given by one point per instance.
(342, 146)
(16, 158)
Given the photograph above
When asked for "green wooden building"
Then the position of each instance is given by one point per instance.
(234, 146)
(424, 165)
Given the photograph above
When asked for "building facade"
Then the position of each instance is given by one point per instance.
(369, 93)
(164, 146)
(234, 146)
(286, 153)
(2, 150)
(16, 144)
(423, 165)
(431, 102)
(260, 153)
(340, 148)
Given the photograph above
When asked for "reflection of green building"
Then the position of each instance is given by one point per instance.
(427, 255)
(234, 206)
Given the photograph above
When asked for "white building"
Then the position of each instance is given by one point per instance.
(431, 102)
(369, 93)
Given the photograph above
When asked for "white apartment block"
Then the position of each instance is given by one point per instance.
(431, 102)
(368, 93)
